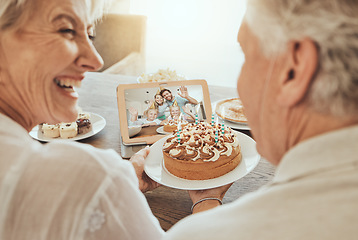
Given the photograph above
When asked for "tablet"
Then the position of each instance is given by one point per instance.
(144, 107)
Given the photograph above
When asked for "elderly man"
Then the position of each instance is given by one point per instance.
(299, 86)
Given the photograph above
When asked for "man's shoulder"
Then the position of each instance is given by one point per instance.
(180, 99)
(165, 104)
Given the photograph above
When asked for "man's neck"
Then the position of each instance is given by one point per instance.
(296, 126)
(316, 124)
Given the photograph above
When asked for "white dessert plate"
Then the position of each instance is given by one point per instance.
(98, 123)
(234, 125)
(161, 130)
(231, 124)
(155, 169)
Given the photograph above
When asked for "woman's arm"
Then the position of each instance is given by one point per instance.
(184, 94)
(186, 110)
(134, 114)
(206, 199)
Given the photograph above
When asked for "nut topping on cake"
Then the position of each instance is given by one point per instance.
(201, 151)
(198, 141)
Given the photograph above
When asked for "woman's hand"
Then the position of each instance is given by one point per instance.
(189, 116)
(134, 113)
(138, 160)
(185, 109)
(197, 195)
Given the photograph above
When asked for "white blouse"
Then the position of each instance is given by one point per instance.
(68, 190)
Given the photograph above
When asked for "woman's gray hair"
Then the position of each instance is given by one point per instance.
(11, 11)
(333, 26)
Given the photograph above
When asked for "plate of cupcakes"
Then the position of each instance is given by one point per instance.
(86, 125)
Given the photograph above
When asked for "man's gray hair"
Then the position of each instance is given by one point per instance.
(333, 26)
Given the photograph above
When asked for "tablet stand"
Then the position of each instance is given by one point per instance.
(128, 151)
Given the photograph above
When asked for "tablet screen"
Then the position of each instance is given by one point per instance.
(146, 110)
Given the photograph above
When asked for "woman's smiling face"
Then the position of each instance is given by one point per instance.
(44, 58)
(159, 99)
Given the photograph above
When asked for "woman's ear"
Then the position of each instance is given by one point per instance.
(300, 71)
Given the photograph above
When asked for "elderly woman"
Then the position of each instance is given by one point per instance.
(299, 86)
(59, 190)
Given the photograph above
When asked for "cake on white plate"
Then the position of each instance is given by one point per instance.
(82, 125)
(83, 122)
(202, 151)
(68, 130)
(50, 130)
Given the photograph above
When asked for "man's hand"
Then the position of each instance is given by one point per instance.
(183, 92)
(138, 160)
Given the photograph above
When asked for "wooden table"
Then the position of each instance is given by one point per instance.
(147, 131)
(98, 95)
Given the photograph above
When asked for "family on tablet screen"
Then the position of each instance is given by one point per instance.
(164, 100)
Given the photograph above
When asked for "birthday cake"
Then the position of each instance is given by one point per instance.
(172, 125)
(201, 151)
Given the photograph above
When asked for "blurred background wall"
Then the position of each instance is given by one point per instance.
(197, 38)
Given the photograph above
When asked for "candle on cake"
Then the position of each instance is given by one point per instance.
(222, 128)
(178, 131)
(216, 135)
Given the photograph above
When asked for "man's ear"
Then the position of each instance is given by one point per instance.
(299, 72)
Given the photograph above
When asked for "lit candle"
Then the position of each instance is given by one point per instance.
(178, 131)
(179, 126)
(222, 128)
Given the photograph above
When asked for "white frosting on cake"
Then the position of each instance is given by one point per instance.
(209, 141)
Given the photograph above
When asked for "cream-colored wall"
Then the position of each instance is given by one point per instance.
(197, 38)
(120, 6)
